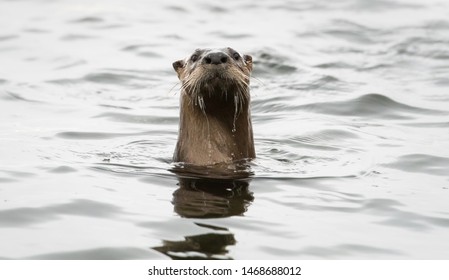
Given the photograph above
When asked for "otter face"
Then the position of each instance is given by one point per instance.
(219, 58)
(213, 59)
(214, 72)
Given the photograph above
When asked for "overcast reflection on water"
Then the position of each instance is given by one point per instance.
(350, 116)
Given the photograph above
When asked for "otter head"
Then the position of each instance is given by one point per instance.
(215, 74)
(215, 120)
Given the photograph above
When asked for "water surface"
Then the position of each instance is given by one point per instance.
(350, 111)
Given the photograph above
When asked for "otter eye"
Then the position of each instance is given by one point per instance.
(194, 58)
(236, 56)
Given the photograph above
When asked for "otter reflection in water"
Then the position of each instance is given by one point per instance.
(211, 198)
(202, 199)
(203, 246)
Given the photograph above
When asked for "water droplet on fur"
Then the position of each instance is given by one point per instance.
(235, 115)
(209, 148)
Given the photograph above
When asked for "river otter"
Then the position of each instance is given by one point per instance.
(215, 121)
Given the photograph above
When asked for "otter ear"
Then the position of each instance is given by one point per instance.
(179, 67)
(249, 61)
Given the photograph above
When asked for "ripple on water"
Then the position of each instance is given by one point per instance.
(76, 37)
(422, 163)
(422, 47)
(217, 9)
(441, 124)
(271, 63)
(14, 96)
(63, 169)
(118, 77)
(383, 5)
(88, 19)
(8, 37)
(129, 118)
(353, 32)
(326, 138)
(369, 105)
(331, 252)
(145, 50)
(133, 79)
(335, 65)
(231, 35)
(348, 250)
(324, 82)
(16, 175)
(313, 155)
(141, 157)
(19, 217)
(382, 211)
(178, 9)
(78, 135)
(116, 253)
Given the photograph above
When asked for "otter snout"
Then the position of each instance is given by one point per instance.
(215, 58)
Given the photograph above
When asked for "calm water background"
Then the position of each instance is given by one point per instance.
(350, 113)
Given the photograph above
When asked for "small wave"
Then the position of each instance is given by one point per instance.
(118, 78)
(17, 217)
(422, 163)
(8, 37)
(347, 250)
(334, 135)
(315, 155)
(77, 135)
(369, 105)
(88, 19)
(178, 9)
(326, 82)
(140, 157)
(114, 106)
(9, 95)
(345, 65)
(300, 6)
(218, 9)
(145, 50)
(150, 119)
(108, 253)
(232, 35)
(133, 170)
(66, 64)
(270, 62)
(443, 124)
(15, 175)
(335, 65)
(379, 6)
(352, 32)
(62, 169)
(97, 22)
(134, 79)
(76, 37)
(422, 47)
(36, 30)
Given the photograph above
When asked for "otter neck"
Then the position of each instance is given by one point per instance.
(218, 132)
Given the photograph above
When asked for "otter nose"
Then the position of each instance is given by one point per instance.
(215, 58)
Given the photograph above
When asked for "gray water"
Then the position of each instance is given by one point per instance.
(350, 106)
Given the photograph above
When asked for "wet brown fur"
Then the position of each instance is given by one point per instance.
(215, 120)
